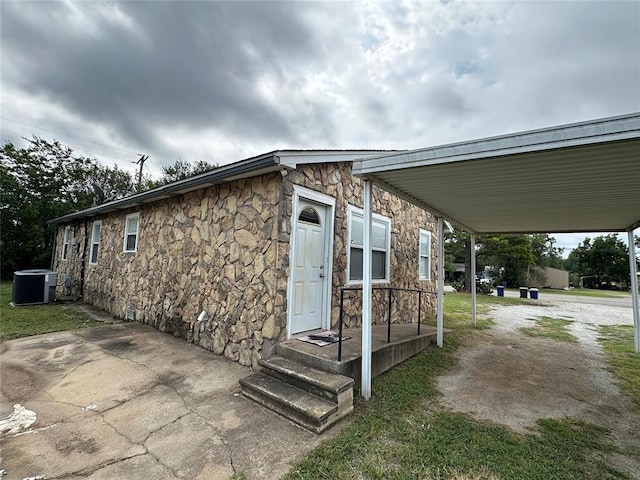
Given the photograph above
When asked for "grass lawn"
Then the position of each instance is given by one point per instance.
(617, 341)
(403, 432)
(550, 327)
(18, 322)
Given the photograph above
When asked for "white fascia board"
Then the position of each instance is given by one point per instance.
(604, 130)
(293, 159)
(633, 226)
(448, 228)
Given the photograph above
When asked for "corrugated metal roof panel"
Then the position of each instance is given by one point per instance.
(524, 186)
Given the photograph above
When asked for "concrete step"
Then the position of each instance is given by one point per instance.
(304, 408)
(384, 355)
(321, 383)
(293, 350)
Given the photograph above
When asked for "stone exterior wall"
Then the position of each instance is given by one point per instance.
(225, 250)
(213, 249)
(70, 270)
(337, 181)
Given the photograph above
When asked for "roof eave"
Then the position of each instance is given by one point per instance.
(227, 173)
(621, 127)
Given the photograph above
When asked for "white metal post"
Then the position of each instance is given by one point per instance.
(634, 292)
(440, 263)
(473, 279)
(366, 294)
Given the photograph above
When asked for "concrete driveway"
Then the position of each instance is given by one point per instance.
(125, 401)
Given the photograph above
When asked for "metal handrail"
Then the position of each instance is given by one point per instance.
(391, 290)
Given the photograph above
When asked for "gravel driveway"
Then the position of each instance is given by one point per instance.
(507, 377)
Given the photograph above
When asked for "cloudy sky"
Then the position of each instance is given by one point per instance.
(220, 81)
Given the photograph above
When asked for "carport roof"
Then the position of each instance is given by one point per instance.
(581, 177)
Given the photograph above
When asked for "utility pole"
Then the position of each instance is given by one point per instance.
(141, 160)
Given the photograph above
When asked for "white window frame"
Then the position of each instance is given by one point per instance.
(127, 233)
(95, 243)
(380, 220)
(66, 240)
(424, 234)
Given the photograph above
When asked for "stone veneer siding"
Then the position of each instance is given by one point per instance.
(336, 180)
(225, 250)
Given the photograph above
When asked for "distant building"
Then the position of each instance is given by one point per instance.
(548, 277)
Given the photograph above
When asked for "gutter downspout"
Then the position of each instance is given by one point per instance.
(53, 251)
(83, 261)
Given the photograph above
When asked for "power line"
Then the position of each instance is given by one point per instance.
(84, 150)
(66, 135)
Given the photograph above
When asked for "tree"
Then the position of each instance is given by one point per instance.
(544, 252)
(112, 182)
(510, 255)
(457, 249)
(41, 182)
(46, 180)
(181, 169)
(601, 262)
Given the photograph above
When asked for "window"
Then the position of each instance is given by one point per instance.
(95, 241)
(424, 255)
(131, 232)
(380, 245)
(65, 242)
(309, 215)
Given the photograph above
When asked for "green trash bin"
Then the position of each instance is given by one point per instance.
(523, 292)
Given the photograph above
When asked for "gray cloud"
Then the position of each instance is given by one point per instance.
(220, 81)
(137, 66)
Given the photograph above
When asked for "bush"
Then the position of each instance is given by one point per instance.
(481, 288)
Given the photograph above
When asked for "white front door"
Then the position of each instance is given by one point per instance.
(309, 269)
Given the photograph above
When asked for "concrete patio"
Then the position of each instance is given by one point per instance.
(125, 401)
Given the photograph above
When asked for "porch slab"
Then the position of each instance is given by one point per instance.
(405, 343)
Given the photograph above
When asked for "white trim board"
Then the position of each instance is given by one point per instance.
(330, 203)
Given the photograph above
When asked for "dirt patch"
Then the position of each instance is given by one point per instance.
(94, 313)
(18, 383)
(507, 377)
(77, 443)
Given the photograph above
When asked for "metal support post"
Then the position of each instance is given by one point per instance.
(366, 294)
(473, 277)
(634, 292)
(439, 320)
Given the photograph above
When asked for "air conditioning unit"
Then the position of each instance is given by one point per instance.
(34, 287)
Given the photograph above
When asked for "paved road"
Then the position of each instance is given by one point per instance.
(555, 297)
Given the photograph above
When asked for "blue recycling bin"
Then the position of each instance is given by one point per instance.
(500, 289)
(533, 293)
